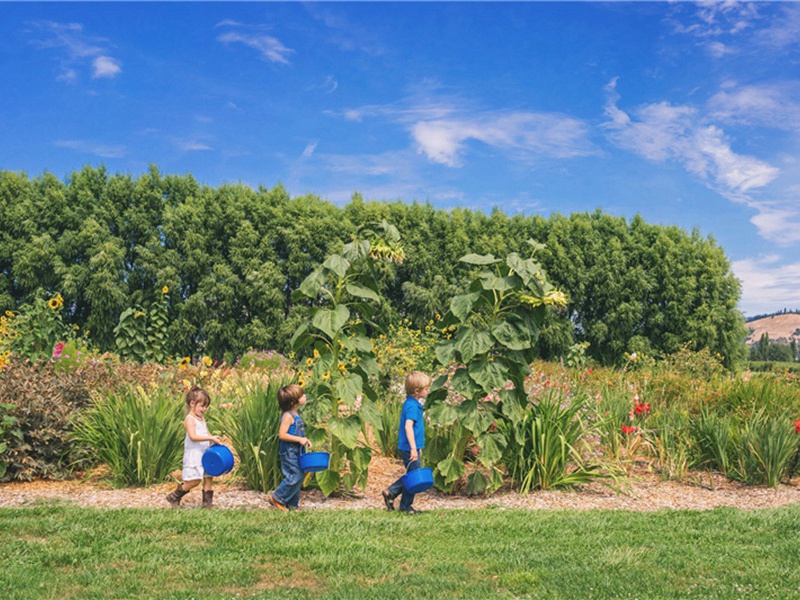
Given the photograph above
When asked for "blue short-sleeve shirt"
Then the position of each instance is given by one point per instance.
(412, 410)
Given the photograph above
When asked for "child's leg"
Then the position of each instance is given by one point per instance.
(407, 499)
(174, 498)
(208, 492)
(292, 476)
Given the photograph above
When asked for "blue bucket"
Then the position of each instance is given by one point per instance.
(217, 460)
(418, 481)
(311, 462)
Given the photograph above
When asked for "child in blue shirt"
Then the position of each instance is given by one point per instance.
(292, 436)
(410, 439)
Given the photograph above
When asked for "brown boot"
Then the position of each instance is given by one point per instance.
(208, 499)
(174, 498)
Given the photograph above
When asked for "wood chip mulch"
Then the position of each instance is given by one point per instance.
(642, 491)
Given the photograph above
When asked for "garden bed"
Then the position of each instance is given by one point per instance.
(643, 491)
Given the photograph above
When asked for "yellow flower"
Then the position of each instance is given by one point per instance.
(309, 362)
(207, 361)
(56, 302)
(327, 374)
(9, 314)
(184, 362)
(555, 298)
(165, 290)
(316, 353)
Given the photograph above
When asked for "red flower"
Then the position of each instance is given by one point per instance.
(589, 371)
(627, 429)
(642, 408)
(797, 426)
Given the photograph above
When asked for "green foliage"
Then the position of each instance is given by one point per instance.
(669, 436)
(386, 436)
(252, 421)
(266, 360)
(137, 434)
(343, 294)
(543, 445)
(446, 451)
(131, 334)
(612, 410)
(37, 327)
(232, 255)
(576, 356)
(10, 433)
(157, 335)
(496, 326)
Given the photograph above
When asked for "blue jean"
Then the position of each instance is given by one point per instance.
(288, 492)
(397, 487)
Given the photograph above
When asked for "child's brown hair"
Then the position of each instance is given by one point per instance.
(197, 394)
(415, 381)
(289, 396)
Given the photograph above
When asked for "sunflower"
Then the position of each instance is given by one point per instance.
(56, 302)
(184, 362)
(165, 290)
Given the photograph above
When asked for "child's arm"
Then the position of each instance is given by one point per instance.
(412, 442)
(283, 432)
(189, 424)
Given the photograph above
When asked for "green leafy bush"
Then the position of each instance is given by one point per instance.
(251, 421)
(542, 450)
(9, 433)
(137, 434)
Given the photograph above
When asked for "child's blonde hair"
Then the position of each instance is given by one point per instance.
(289, 396)
(196, 394)
(415, 381)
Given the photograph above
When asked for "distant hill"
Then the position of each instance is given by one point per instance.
(782, 328)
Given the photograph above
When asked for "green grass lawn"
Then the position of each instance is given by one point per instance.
(58, 551)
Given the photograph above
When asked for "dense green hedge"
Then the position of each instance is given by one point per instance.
(232, 255)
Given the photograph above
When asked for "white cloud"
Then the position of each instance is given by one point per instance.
(270, 48)
(784, 31)
(77, 51)
(768, 285)
(309, 149)
(531, 134)
(191, 145)
(105, 67)
(776, 106)
(662, 131)
(87, 147)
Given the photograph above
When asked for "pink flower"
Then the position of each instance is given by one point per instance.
(357, 404)
(58, 349)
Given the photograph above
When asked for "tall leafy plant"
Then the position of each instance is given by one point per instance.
(343, 294)
(252, 422)
(496, 325)
(138, 434)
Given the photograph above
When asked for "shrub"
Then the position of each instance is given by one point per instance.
(268, 360)
(137, 434)
(9, 432)
(542, 446)
(251, 421)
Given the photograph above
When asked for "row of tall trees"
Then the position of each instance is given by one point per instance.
(231, 256)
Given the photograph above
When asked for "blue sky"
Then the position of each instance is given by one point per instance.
(685, 113)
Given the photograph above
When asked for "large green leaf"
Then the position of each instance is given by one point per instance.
(490, 281)
(445, 352)
(295, 342)
(512, 333)
(337, 263)
(360, 457)
(489, 374)
(461, 306)
(442, 413)
(346, 429)
(347, 388)
(474, 417)
(313, 283)
(357, 343)
(371, 414)
(463, 384)
(510, 406)
(331, 320)
(355, 251)
(479, 259)
(328, 481)
(476, 483)
(362, 291)
(450, 469)
(492, 446)
(471, 342)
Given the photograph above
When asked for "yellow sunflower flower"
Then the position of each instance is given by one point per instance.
(184, 362)
(165, 290)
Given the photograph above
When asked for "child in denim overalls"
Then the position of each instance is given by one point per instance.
(292, 434)
(410, 439)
